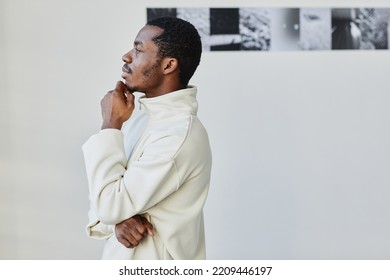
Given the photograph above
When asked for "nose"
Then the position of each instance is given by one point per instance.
(127, 58)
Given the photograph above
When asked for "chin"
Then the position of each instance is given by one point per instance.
(133, 89)
(130, 87)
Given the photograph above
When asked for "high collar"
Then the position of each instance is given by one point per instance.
(183, 100)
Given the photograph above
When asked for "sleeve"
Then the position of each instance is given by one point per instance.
(97, 230)
(118, 191)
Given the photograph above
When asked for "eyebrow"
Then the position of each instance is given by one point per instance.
(138, 43)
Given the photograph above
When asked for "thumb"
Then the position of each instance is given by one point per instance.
(148, 226)
(129, 99)
(150, 230)
(120, 87)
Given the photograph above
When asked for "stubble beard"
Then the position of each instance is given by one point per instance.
(147, 74)
(132, 89)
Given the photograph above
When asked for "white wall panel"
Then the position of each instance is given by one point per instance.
(300, 139)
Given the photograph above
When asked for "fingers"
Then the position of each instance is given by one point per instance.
(125, 242)
(117, 106)
(148, 226)
(120, 87)
(128, 236)
(134, 240)
(140, 226)
(120, 90)
(132, 231)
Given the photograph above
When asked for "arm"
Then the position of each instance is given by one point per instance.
(130, 232)
(95, 229)
(118, 191)
(117, 107)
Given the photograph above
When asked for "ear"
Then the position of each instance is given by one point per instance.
(170, 65)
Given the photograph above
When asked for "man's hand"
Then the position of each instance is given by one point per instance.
(117, 106)
(130, 232)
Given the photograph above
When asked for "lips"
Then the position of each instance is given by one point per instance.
(126, 69)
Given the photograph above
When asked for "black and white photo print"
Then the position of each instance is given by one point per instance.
(315, 29)
(285, 29)
(255, 29)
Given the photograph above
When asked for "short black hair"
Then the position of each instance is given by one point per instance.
(179, 40)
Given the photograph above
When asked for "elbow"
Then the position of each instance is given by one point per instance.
(112, 209)
(110, 212)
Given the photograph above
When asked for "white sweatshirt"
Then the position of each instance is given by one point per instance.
(159, 166)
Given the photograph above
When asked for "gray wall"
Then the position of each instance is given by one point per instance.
(300, 139)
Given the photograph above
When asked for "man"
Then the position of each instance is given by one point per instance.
(149, 167)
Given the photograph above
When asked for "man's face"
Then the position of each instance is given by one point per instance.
(142, 70)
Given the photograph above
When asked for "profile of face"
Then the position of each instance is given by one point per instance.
(142, 70)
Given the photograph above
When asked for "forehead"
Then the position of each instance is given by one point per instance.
(146, 34)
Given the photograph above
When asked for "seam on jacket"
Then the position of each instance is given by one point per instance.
(190, 117)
